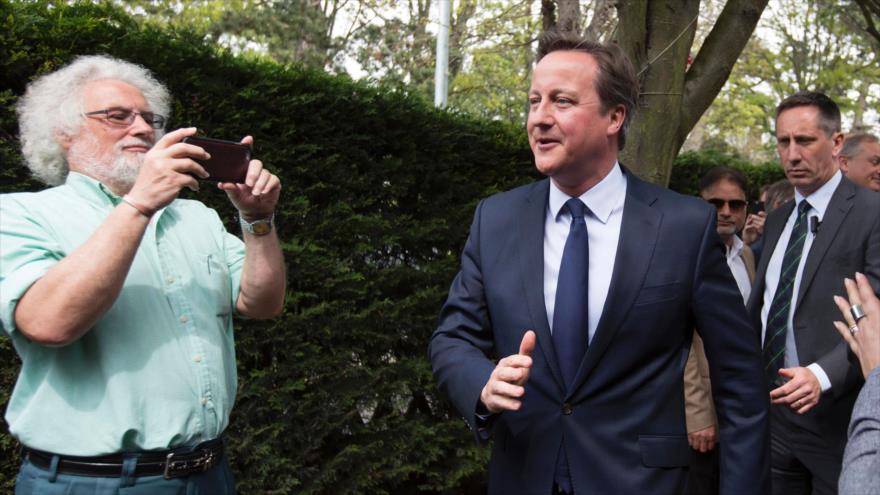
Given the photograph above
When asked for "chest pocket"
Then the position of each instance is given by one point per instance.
(213, 278)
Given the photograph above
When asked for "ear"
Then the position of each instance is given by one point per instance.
(64, 140)
(843, 163)
(837, 138)
(618, 115)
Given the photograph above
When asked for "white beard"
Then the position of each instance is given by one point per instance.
(117, 168)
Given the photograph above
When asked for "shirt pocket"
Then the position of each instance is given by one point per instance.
(215, 281)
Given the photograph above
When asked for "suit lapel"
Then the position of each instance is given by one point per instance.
(638, 236)
(531, 227)
(838, 207)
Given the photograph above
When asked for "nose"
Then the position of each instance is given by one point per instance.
(792, 153)
(539, 115)
(141, 128)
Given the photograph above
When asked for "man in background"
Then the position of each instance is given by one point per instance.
(830, 231)
(725, 189)
(859, 160)
(119, 297)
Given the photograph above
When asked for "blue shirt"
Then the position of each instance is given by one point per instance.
(158, 369)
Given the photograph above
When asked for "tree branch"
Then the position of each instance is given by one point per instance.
(716, 58)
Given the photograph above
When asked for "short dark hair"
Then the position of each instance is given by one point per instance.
(718, 174)
(853, 143)
(616, 83)
(829, 112)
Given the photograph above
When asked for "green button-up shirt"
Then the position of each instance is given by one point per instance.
(158, 369)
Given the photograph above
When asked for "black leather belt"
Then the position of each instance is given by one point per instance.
(174, 463)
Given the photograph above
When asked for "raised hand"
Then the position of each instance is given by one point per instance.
(506, 385)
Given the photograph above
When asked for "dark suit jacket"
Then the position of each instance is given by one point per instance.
(848, 240)
(623, 418)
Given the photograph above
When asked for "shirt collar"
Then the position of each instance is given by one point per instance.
(600, 199)
(821, 197)
(91, 189)
(736, 249)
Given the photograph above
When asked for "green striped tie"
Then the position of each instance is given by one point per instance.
(777, 319)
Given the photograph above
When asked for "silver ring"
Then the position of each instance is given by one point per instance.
(857, 312)
(854, 329)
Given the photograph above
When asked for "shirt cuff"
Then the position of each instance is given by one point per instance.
(824, 382)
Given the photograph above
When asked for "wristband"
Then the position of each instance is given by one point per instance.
(143, 210)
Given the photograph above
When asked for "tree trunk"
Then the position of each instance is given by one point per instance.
(657, 35)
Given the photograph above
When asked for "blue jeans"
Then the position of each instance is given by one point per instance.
(33, 480)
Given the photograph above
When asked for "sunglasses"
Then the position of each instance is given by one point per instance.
(734, 204)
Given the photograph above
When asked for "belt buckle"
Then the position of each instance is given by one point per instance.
(174, 469)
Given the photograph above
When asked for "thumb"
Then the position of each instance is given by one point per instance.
(786, 372)
(527, 346)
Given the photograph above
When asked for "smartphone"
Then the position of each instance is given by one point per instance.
(229, 160)
(755, 207)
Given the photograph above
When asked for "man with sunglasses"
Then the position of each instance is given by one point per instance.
(119, 297)
(725, 189)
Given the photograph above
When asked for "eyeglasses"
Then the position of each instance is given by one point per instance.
(122, 117)
(735, 204)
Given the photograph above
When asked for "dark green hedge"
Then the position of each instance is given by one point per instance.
(335, 396)
(690, 166)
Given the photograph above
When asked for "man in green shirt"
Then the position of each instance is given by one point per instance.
(118, 296)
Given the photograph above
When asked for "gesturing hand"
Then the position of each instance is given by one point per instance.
(800, 393)
(168, 167)
(864, 339)
(257, 197)
(505, 388)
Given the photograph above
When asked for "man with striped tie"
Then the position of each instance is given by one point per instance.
(829, 230)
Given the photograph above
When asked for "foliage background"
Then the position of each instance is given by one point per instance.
(336, 395)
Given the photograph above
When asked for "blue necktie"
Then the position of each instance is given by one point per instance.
(570, 332)
(777, 318)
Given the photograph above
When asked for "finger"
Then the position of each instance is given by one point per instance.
(692, 441)
(852, 292)
(181, 150)
(248, 140)
(806, 407)
(261, 183)
(866, 295)
(843, 306)
(188, 166)
(527, 346)
(516, 361)
(175, 136)
(498, 404)
(510, 375)
(844, 332)
(505, 389)
(253, 173)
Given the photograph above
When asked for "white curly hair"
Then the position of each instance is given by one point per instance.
(52, 107)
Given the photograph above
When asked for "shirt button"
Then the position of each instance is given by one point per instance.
(567, 409)
(197, 358)
(204, 400)
(169, 279)
(183, 319)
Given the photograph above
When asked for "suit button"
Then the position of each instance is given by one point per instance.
(567, 409)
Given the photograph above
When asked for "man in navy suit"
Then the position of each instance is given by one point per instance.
(587, 288)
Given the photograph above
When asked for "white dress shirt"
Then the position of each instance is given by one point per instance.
(818, 204)
(738, 268)
(605, 202)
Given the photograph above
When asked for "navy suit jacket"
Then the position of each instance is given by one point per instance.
(623, 418)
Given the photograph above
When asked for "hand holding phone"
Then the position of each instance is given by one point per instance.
(229, 160)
